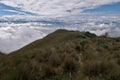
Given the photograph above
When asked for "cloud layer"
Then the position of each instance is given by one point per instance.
(61, 16)
(15, 35)
(57, 7)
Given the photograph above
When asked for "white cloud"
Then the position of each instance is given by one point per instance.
(57, 7)
(15, 36)
(18, 35)
(114, 32)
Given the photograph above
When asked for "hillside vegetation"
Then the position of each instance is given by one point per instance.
(64, 55)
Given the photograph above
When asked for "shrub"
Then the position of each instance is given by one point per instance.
(47, 70)
(105, 69)
(70, 65)
(83, 43)
(90, 35)
(55, 59)
(91, 68)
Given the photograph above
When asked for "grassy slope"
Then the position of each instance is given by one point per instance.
(64, 55)
(52, 39)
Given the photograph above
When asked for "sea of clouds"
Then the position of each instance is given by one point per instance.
(18, 31)
(14, 35)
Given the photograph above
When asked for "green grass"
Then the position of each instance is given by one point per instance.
(64, 55)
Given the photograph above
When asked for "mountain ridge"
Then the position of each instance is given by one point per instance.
(64, 55)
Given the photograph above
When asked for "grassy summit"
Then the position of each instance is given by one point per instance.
(64, 55)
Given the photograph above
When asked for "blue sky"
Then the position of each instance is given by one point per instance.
(8, 10)
(105, 8)
(16, 34)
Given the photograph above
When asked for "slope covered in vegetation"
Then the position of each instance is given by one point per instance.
(64, 55)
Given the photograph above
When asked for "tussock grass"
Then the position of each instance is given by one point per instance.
(64, 55)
